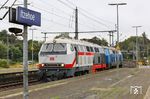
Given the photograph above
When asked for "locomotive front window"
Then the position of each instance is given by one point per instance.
(53, 49)
(47, 47)
(59, 47)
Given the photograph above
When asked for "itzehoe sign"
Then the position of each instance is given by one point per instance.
(25, 16)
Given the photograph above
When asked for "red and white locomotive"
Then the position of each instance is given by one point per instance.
(68, 57)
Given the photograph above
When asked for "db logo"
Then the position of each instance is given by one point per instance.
(51, 58)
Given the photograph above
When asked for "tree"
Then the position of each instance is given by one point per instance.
(36, 48)
(3, 50)
(65, 35)
(15, 54)
(97, 40)
(143, 45)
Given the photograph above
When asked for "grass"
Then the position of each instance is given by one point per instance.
(106, 93)
(19, 65)
(55, 97)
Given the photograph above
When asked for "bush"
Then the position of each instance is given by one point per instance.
(3, 63)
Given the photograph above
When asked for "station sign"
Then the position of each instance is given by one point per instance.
(28, 17)
(24, 16)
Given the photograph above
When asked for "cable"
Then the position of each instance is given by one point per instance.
(4, 4)
(95, 16)
(94, 20)
(65, 4)
(13, 3)
(51, 13)
(69, 19)
(88, 12)
(53, 6)
(71, 3)
(56, 22)
(8, 10)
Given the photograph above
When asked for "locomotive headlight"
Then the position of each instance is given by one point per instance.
(62, 65)
(42, 65)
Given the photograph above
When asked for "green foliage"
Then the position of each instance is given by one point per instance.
(129, 45)
(3, 35)
(15, 53)
(65, 35)
(36, 48)
(3, 63)
(97, 40)
(3, 50)
(16, 47)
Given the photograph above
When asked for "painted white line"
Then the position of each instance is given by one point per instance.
(12, 95)
(127, 77)
(37, 89)
(147, 95)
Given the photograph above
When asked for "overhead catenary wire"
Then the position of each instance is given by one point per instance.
(80, 22)
(66, 18)
(8, 10)
(88, 16)
(71, 3)
(45, 3)
(65, 4)
(96, 21)
(50, 12)
(55, 15)
(98, 18)
(4, 4)
(86, 25)
(52, 21)
(90, 13)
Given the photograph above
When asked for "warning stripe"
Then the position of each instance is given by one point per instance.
(86, 53)
(70, 65)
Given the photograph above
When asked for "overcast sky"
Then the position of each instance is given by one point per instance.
(58, 15)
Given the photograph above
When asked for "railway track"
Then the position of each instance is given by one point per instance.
(8, 80)
(15, 79)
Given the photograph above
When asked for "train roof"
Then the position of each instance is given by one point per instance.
(72, 41)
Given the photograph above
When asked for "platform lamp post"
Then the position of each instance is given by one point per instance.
(117, 6)
(32, 29)
(117, 25)
(136, 28)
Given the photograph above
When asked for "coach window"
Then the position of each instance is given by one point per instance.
(95, 49)
(100, 50)
(76, 47)
(80, 48)
(84, 48)
(91, 48)
(71, 47)
(110, 51)
(103, 50)
(88, 49)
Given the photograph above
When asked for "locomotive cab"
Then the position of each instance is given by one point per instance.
(56, 55)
